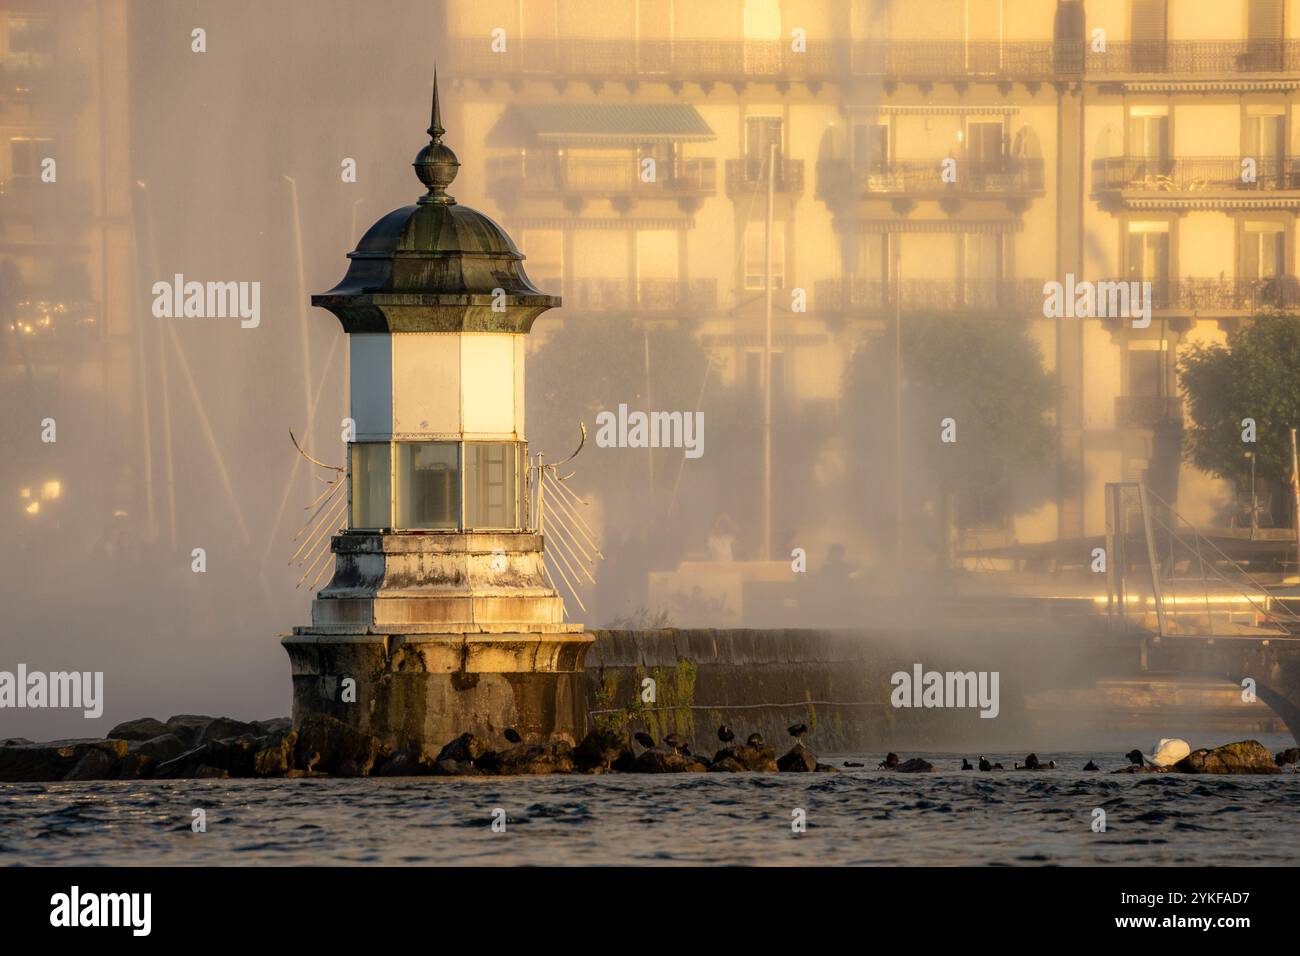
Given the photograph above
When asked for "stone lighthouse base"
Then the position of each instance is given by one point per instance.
(443, 634)
(419, 691)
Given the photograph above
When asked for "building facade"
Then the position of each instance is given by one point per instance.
(66, 345)
(947, 157)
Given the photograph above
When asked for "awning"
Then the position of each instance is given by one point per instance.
(600, 124)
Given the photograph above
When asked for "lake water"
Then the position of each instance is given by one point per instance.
(857, 816)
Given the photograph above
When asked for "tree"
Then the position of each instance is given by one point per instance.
(987, 375)
(1256, 375)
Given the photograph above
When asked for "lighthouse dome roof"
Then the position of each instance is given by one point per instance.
(435, 265)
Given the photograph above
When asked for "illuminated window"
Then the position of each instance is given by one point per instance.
(371, 475)
(756, 255)
(491, 485)
(428, 485)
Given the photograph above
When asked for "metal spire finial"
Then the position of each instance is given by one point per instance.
(436, 165)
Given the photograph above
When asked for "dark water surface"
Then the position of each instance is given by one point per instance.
(857, 816)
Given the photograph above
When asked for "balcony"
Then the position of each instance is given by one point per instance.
(643, 295)
(748, 177)
(1196, 57)
(1148, 411)
(1227, 296)
(518, 176)
(1197, 178)
(872, 296)
(922, 179)
(730, 61)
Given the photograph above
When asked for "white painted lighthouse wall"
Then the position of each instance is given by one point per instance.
(372, 385)
(426, 385)
(438, 386)
(487, 373)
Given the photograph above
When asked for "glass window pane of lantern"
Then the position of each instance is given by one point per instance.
(491, 495)
(428, 485)
(371, 475)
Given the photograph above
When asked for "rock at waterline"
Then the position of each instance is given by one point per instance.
(799, 760)
(188, 727)
(53, 761)
(344, 750)
(663, 760)
(745, 758)
(466, 749)
(162, 748)
(1244, 756)
(223, 728)
(552, 757)
(604, 749)
(915, 765)
(140, 729)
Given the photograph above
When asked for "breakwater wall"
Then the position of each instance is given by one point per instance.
(835, 681)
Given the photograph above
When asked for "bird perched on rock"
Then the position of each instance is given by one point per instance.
(1168, 752)
(889, 763)
(755, 740)
(1290, 756)
(965, 764)
(1135, 757)
(1090, 766)
(676, 741)
(726, 734)
(1050, 765)
(797, 731)
(1031, 763)
(512, 735)
(644, 739)
(984, 763)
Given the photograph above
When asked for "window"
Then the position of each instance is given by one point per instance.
(1264, 43)
(428, 485)
(1148, 253)
(545, 263)
(1148, 137)
(371, 476)
(1146, 373)
(30, 34)
(491, 485)
(871, 147)
(25, 155)
(1263, 250)
(982, 269)
(1147, 34)
(433, 480)
(984, 145)
(756, 255)
(1265, 144)
(761, 132)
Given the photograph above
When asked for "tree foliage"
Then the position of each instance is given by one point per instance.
(1255, 375)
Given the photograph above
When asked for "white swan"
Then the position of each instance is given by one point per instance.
(1168, 752)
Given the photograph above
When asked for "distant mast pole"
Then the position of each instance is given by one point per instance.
(767, 357)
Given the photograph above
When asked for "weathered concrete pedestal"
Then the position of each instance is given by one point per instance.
(443, 633)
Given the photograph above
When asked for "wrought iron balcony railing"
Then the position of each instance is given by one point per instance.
(1147, 411)
(599, 177)
(718, 60)
(1211, 295)
(929, 295)
(1196, 57)
(747, 176)
(650, 295)
(1192, 174)
(922, 178)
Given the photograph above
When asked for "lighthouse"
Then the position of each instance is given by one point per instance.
(438, 618)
